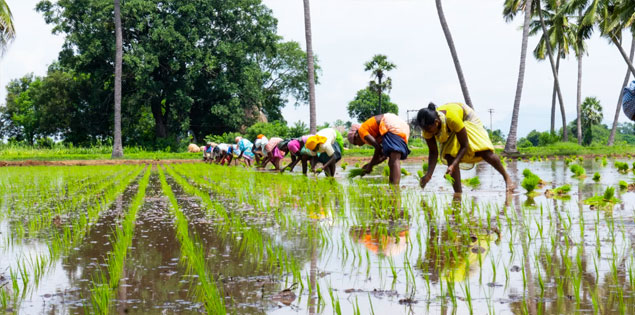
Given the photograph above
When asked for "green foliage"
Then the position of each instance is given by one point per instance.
(623, 185)
(496, 136)
(226, 137)
(424, 167)
(405, 172)
(591, 115)
(524, 143)
(541, 139)
(298, 130)
(596, 177)
(270, 130)
(215, 71)
(379, 67)
(577, 170)
(366, 103)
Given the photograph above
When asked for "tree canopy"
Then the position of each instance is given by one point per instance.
(189, 67)
(366, 103)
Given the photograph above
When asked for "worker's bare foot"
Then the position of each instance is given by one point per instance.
(510, 187)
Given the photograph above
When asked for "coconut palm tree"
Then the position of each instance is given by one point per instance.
(619, 99)
(565, 135)
(455, 56)
(117, 148)
(379, 66)
(511, 8)
(311, 70)
(7, 29)
(562, 35)
(611, 17)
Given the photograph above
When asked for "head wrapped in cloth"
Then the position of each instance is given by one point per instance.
(352, 132)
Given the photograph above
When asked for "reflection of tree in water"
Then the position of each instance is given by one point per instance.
(453, 249)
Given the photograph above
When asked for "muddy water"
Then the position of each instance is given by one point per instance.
(380, 251)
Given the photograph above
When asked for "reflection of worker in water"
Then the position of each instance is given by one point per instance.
(381, 240)
(389, 232)
(452, 254)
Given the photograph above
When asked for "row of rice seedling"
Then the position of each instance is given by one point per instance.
(61, 240)
(193, 256)
(105, 284)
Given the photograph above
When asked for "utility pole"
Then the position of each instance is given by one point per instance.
(491, 111)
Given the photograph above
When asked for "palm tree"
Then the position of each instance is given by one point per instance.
(511, 8)
(565, 136)
(309, 57)
(117, 149)
(378, 66)
(7, 30)
(561, 34)
(455, 56)
(591, 115)
(611, 16)
(619, 99)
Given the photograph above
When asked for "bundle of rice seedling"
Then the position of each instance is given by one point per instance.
(354, 172)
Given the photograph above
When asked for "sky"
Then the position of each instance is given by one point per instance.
(347, 33)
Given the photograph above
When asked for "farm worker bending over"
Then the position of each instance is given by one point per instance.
(208, 153)
(462, 139)
(327, 143)
(299, 153)
(274, 154)
(388, 134)
(224, 154)
(245, 146)
(259, 148)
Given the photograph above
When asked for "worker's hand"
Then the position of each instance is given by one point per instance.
(424, 180)
(367, 168)
(450, 169)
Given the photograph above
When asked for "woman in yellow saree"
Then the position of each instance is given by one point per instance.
(461, 139)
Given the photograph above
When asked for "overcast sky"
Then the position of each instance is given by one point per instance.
(347, 33)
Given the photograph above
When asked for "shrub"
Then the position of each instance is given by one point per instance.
(272, 129)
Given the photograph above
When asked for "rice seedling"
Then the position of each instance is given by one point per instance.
(577, 170)
(604, 161)
(530, 182)
(405, 172)
(621, 167)
(606, 200)
(356, 172)
(473, 182)
(344, 165)
(623, 185)
(449, 179)
(596, 177)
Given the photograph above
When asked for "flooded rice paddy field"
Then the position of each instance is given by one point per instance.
(204, 238)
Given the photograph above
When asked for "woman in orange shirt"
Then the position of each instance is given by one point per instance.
(388, 134)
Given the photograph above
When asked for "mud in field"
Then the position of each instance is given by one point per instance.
(289, 244)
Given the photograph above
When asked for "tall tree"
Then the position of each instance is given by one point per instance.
(565, 136)
(365, 103)
(455, 56)
(618, 108)
(591, 115)
(510, 10)
(611, 17)
(311, 70)
(7, 30)
(117, 148)
(378, 67)
(580, 49)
